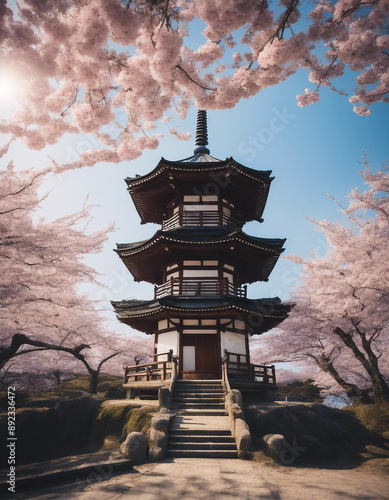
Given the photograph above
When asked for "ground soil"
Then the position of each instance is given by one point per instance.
(218, 479)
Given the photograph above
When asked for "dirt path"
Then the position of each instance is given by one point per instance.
(217, 479)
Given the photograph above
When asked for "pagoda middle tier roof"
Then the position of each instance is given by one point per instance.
(260, 315)
(245, 187)
(253, 257)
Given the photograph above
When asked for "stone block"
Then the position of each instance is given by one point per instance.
(242, 435)
(159, 435)
(236, 411)
(135, 447)
(164, 397)
(275, 444)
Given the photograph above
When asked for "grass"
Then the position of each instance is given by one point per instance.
(79, 386)
(115, 421)
(374, 417)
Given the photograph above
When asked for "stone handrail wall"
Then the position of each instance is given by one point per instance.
(165, 394)
(160, 424)
(234, 406)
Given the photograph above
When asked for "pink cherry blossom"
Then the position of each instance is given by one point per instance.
(78, 62)
(339, 323)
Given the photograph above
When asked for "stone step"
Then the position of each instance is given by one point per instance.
(195, 438)
(199, 386)
(199, 406)
(202, 411)
(193, 390)
(202, 446)
(202, 453)
(210, 386)
(200, 432)
(203, 402)
(184, 399)
(204, 395)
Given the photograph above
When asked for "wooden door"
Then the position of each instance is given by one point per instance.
(200, 357)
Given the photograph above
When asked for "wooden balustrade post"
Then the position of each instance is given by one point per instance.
(221, 286)
(164, 371)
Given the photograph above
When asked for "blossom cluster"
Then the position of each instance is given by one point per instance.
(112, 69)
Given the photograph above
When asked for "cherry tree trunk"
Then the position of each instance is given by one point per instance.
(380, 387)
(94, 379)
(352, 390)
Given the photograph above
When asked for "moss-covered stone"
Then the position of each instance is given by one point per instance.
(312, 432)
(139, 420)
(37, 432)
(120, 420)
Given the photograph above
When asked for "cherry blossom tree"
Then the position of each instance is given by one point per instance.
(115, 68)
(340, 321)
(41, 307)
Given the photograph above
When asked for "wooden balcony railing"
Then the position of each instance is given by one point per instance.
(159, 370)
(195, 288)
(200, 218)
(239, 369)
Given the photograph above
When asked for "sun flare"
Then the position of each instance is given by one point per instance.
(9, 89)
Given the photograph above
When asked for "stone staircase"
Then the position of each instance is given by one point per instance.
(201, 428)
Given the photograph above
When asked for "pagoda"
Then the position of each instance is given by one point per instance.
(200, 262)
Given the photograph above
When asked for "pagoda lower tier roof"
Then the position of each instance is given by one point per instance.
(260, 315)
(246, 187)
(253, 257)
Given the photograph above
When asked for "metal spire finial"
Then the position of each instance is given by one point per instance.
(201, 133)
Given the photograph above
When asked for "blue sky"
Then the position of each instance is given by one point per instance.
(311, 151)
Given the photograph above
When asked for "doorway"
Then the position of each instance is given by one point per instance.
(200, 357)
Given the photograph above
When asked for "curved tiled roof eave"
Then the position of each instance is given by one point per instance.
(126, 250)
(256, 175)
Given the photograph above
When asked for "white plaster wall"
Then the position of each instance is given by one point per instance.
(233, 342)
(200, 208)
(240, 324)
(189, 354)
(200, 273)
(167, 341)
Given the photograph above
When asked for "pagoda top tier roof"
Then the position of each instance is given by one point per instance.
(201, 173)
(143, 315)
(146, 259)
(201, 157)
